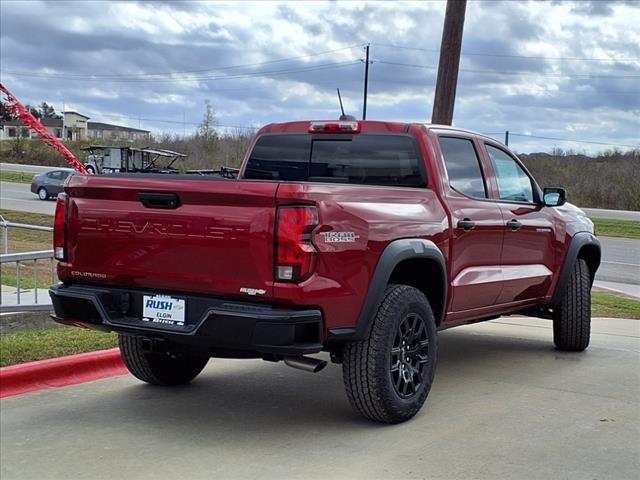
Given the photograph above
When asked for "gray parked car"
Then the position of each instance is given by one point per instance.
(47, 185)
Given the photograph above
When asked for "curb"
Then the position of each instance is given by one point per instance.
(60, 372)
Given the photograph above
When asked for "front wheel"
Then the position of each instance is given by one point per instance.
(159, 368)
(388, 375)
(572, 318)
(43, 194)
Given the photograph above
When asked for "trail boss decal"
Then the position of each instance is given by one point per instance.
(339, 237)
(253, 291)
(163, 309)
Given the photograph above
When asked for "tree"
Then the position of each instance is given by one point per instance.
(207, 128)
(34, 111)
(5, 115)
(206, 134)
(47, 111)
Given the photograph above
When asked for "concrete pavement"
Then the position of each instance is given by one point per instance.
(16, 167)
(620, 267)
(9, 295)
(612, 214)
(505, 404)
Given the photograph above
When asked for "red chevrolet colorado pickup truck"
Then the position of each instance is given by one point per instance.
(358, 238)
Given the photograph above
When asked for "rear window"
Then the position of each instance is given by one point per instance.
(280, 157)
(389, 160)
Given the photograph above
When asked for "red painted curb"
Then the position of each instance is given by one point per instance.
(60, 372)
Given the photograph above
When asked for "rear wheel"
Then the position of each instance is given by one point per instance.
(90, 170)
(572, 318)
(388, 375)
(43, 194)
(159, 368)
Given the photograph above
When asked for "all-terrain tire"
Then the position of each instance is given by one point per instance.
(372, 368)
(572, 318)
(159, 368)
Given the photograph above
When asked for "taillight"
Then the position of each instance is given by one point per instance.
(295, 254)
(59, 228)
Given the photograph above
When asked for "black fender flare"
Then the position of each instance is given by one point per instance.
(394, 253)
(579, 240)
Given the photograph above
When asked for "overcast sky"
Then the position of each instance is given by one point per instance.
(551, 69)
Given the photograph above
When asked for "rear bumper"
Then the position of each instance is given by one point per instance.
(210, 323)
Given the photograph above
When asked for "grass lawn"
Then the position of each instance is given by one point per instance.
(27, 217)
(610, 305)
(16, 177)
(46, 276)
(617, 228)
(21, 240)
(28, 346)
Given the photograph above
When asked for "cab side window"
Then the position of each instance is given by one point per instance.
(463, 166)
(513, 183)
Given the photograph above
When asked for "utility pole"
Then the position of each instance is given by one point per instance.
(449, 63)
(366, 82)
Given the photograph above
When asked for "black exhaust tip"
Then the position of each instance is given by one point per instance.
(308, 364)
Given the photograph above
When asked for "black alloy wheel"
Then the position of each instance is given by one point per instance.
(409, 355)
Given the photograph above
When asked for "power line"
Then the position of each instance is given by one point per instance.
(533, 57)
(493, 134)
(173, 73)
(312, 68)
(177, 122)
(512, 72)
(572, 140)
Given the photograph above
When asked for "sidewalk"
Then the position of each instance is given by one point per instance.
(623, 288)
(10, 296)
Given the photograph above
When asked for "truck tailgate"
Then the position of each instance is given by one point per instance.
(218, 240)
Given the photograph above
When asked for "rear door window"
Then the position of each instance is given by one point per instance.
(388, 160)
(463, 166)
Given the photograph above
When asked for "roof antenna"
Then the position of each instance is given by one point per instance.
(343, 116)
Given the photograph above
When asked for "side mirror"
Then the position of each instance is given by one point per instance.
(554, 197)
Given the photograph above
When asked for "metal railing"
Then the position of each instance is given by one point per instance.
(35, 259)
(6, 225)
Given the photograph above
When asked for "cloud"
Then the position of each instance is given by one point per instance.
(526, 66)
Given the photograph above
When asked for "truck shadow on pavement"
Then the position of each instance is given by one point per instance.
(257, 398)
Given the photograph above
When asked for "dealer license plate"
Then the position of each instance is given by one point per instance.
(163, 309)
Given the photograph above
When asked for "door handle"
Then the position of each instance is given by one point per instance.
(159, 200)
(466, 224)
(514, 224)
